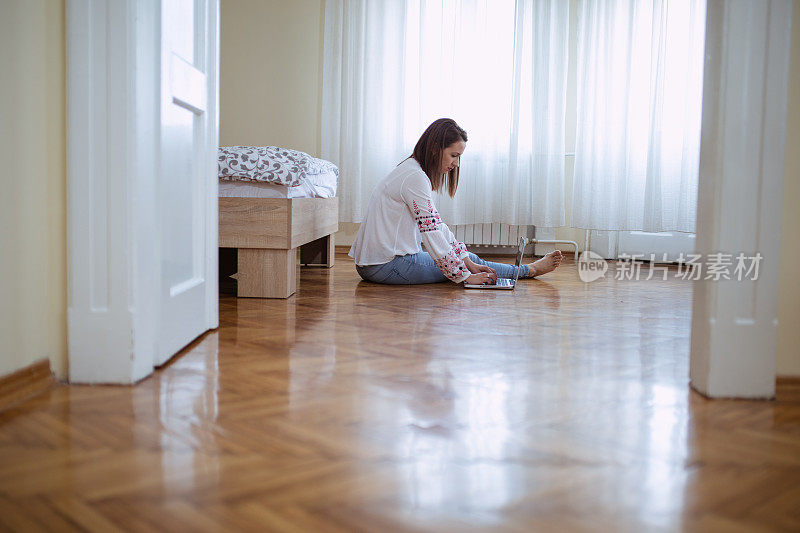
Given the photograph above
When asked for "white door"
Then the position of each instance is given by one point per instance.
(187, 186)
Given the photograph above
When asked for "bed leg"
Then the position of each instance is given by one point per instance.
(330, 246)
(318, 253)
(266, 273)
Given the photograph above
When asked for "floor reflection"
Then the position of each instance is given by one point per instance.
(186, 406)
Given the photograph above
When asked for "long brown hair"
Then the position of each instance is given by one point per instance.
(428, 152)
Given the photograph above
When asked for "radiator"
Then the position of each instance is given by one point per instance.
(491, 235)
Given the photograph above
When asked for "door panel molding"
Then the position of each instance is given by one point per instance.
(188, 85)
(187, 139)
(101, 186)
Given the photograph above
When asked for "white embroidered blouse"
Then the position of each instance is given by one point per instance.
(401, 216)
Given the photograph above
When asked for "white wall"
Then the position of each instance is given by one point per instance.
(33, 181)
(271, 73)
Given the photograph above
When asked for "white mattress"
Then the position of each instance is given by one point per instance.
(317, 186)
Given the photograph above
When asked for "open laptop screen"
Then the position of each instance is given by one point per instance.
(520, 250)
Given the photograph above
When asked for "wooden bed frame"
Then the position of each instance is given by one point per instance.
(266, 233)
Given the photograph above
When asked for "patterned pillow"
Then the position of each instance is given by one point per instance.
(269, 164)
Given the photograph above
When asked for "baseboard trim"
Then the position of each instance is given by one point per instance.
(25, 383)
(787, 389)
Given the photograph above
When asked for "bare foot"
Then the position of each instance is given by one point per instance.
(546, 264)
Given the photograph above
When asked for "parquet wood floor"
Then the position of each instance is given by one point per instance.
(356, 407)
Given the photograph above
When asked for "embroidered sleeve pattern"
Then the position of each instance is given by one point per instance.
(427, 220)
(452, 266)
(460, 249)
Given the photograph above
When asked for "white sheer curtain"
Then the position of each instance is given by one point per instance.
(498, 67)
(640, 76)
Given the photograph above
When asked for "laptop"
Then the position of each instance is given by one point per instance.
(504, 283)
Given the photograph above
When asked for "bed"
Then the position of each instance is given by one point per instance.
(273, 201)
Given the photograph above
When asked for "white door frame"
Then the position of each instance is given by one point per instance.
(745, 94)
(113, 121)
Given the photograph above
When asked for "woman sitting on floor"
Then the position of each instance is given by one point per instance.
(401, 216)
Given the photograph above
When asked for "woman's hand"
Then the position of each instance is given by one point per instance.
(475, 268)
(481, 278)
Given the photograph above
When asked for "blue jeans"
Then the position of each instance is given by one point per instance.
(417, 268)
